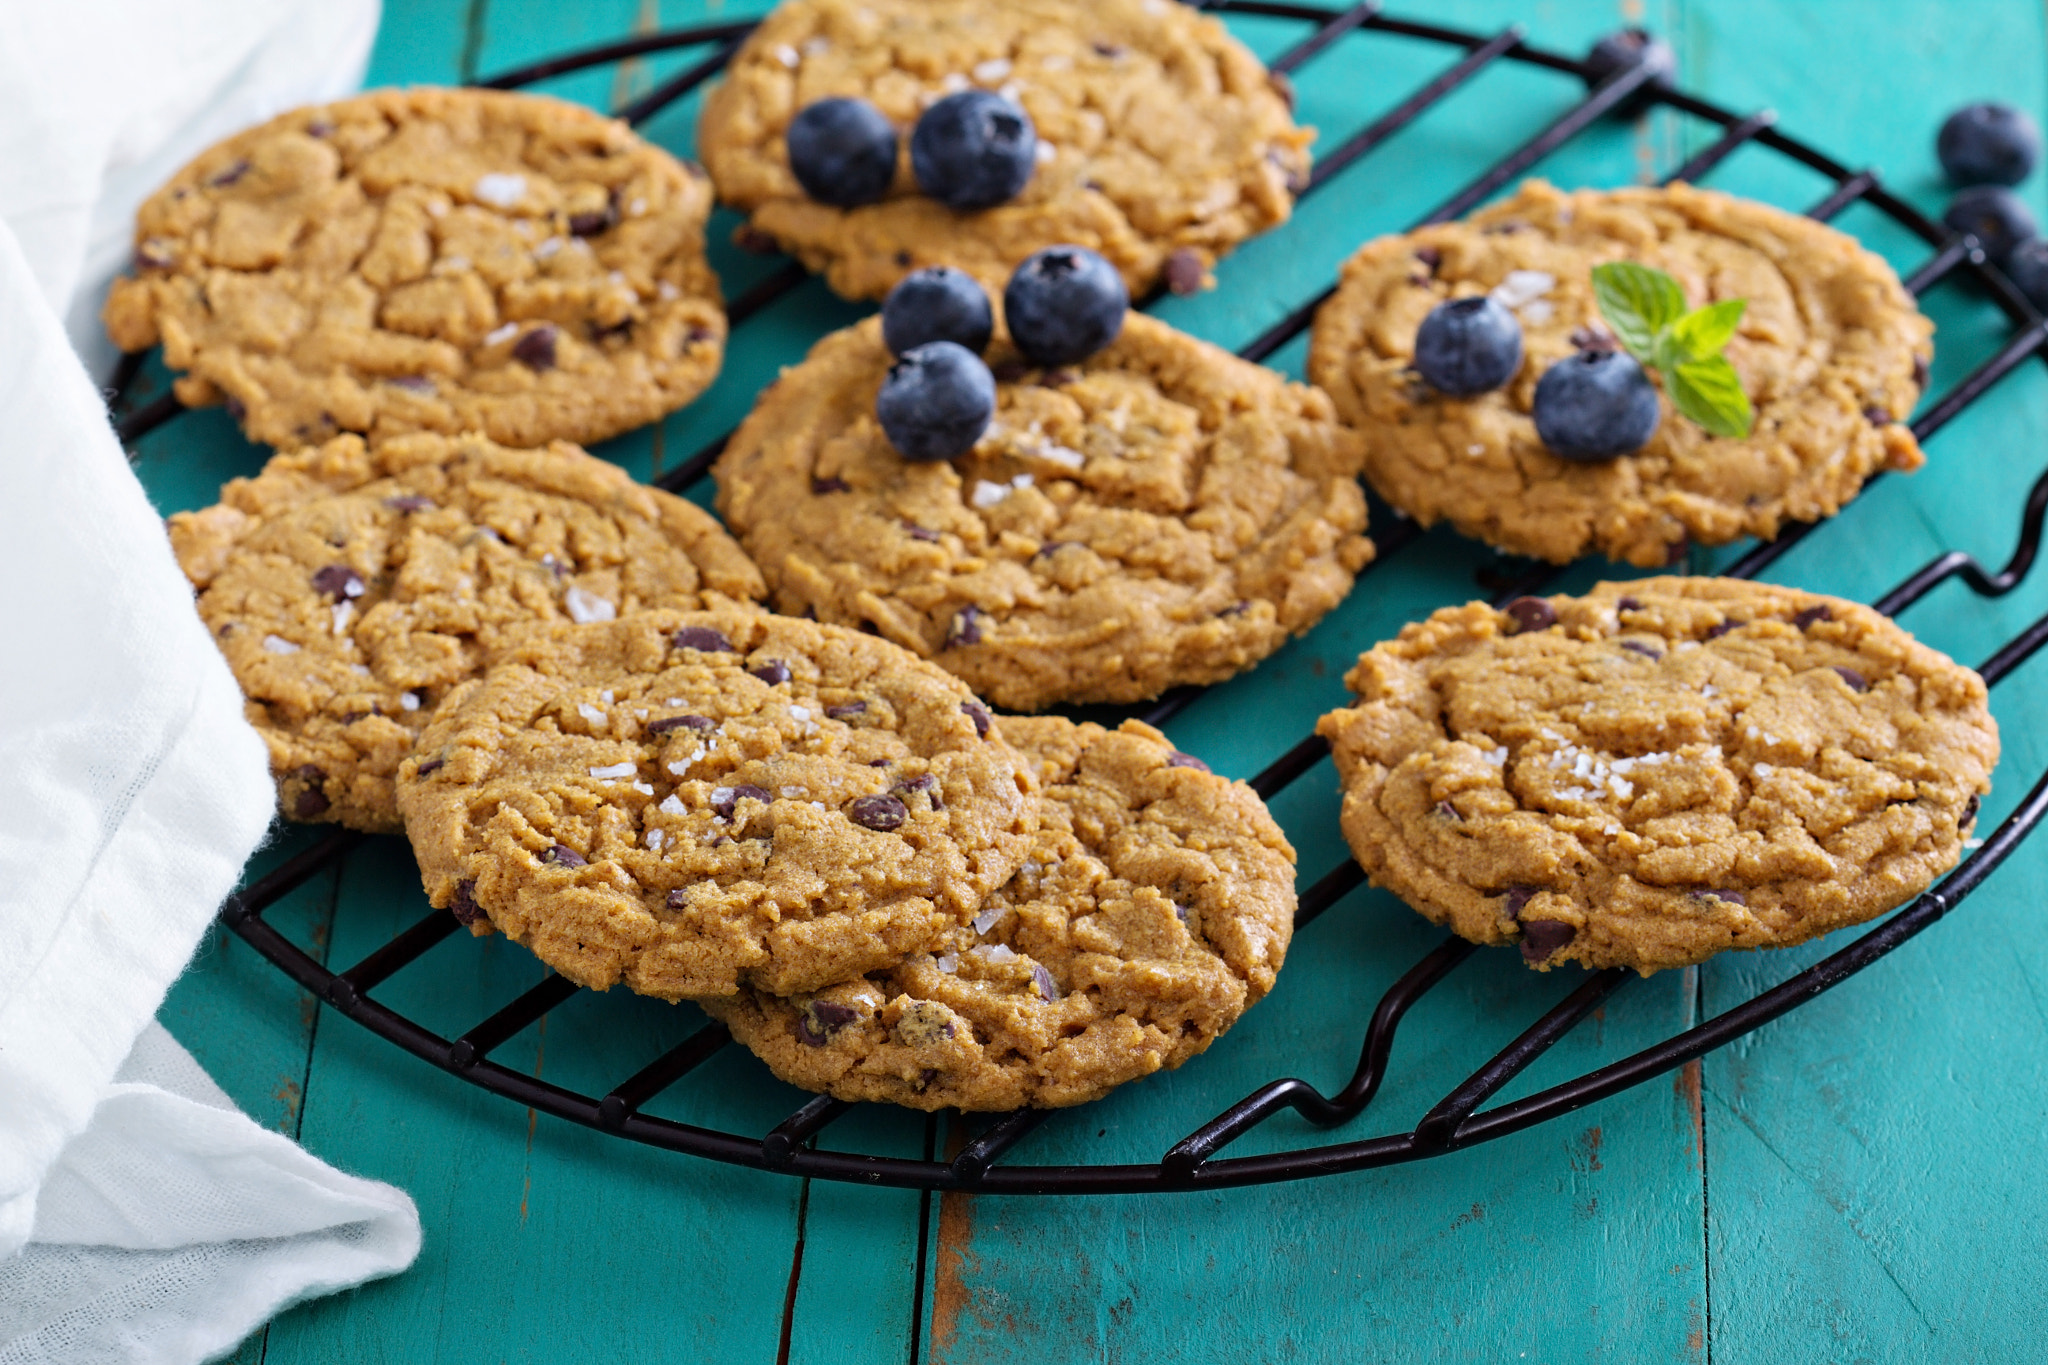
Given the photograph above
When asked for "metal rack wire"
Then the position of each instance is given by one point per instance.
(1458, 1120)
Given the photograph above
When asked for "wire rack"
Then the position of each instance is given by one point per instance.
(1196, 1161)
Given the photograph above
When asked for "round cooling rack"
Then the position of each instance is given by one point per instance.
(1197, 1162)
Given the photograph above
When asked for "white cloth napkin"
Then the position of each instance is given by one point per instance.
(142, 1218)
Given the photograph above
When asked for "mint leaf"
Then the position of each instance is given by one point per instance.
(1704, 331)
(1710, 393)
(1638, 303)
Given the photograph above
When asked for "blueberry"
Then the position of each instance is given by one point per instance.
(842, 151)
(1063, 304)
(1994, 216)
(936, 401)
(1626, 48)
(973, 150)
(2027, 268)
(1595, 405)
(939, 304)
(1988, 144)
(1468, 346)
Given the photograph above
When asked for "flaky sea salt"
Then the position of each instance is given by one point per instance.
(987, 494)
(995, 953)
(342, 612)
(1524, 286)
(409, 701)
(1044, 152)
(947, 962)
(549, 247)
(500, 190)
(645, 789)
(989, 918)
(608, 771)
(992, 70)
(1061, 455)
(671, 805)
(655, 837)
(800, 713)
(591, 713)
(498, 334)
(788, 56)
(277, 644)
(585, 607)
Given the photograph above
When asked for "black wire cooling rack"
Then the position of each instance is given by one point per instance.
(1194, 1162)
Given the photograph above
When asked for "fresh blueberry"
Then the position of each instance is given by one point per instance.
(2027, 268)
(1595, 405)
(936, 401)
(1630, 47)
(1988, 144)
(939, 304)
(1468, 346)
(973, 150)
(842, 151)
(1064, 304)
(1994, 215)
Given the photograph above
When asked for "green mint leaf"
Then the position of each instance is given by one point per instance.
(1639, 303)
(1704, 331)
(1710, 393)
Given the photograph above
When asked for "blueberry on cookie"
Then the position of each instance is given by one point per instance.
(1064, 304)
(937, 304)
(842, 151)
(973, 150)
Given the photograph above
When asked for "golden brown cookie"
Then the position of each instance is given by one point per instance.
(1164, 513)
(689, 802)
(429, 260)
(1832, 352)
(1163, 141)
(351, 588)
(1659, 770)
(1154, 909)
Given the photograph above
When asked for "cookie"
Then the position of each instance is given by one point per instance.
(1163, 513)
(351, 588)
(689, 802)
(1832, 353)
(1163, 142)
(429, 260)
(1154, 909)
(1659, 770)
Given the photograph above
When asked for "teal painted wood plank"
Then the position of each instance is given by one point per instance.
(426, 42)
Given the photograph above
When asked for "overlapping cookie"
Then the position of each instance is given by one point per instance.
(1660, 770)
(874, 137)
(689, 802)
(429, 260)
(351, 588)
(1523, 424)
(1153, 909)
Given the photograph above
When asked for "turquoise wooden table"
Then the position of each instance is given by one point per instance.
(1856, 1181)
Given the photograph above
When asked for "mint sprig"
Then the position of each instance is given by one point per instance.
(1646, 309)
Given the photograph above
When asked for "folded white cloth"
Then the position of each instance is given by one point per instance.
(159, 1223)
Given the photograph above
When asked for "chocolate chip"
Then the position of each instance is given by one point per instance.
(923, 782)
(590, 224)
(881, 813)
(755, 242)
(1180, 912)
(1448, 811)
(977, 713)
(678, 899)
(536, 349)
(772, 672)
(1970, 808)
(1177, 759)
(1857, 682)
(432, 765)
(1530, 613)
(697, 336)
(966, 627)
(920, 533)
(1732, 897)
(1543, 937)
(1184, 271)
(1811, 615)
(237, 409)
(618, 331)
(1920, 371)
(847, 710)
(1047, 987)
(724, 800)
(413, 383)
(1716, 632)
(339, 582)
(1628, 604)
(1009, 371)
(1676, 551)
(1430, 257)
(1647, 651)
(154, 254)
(830, 485)
(319, 127)
(352, 717)
(668, 723)
(1877, 416)
(702, 638)
(1515, 898)
(463, 904)
(1052, 547)
(312, 801)
(1235, 609)
(1108, 49)
(821, 1019)
(1594, 337)
(409, 502)
(1507, 229)
(229, 176)
(1058, 378)
(561, 855)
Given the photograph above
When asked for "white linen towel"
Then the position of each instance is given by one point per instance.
(142, 1218)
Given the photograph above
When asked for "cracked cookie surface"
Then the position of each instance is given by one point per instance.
(689, 802)
(429, 260)
(351, 588)
(1163, 513)
(1659, 770)
(1832, 352)
(1154, 908)
(1168, 142)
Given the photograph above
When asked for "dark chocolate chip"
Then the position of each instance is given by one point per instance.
(1184, 271)
(339, 582)
(1507, 229)
(925, 783)
(413, 383)
(1430, 257)
(1108, 49)
(237, 409)
(561, 855)
(702, 638)
(1282, 87)
(966, 627)
(1235, 609)
(1732, 897)
(536, 349)
(1877, 416)
(1857, 682)
(903, 258)
(1530, 613)
(409, 502)
(1716, 632)
(1515, 899)
(1594, 337)
(1180, 912)
(920, 533)
(1543, 937)
(1811, 615)
(881, 813)
(1047, 987)
(697, 336)
(1971, 807)
(312, 801)
(1052, 547)
(1628, 604)
(977, 713)
(1177, 759)
(771, 671)
(830, 485)
(352, 717)
(724, 800)
(755, 242)
(847, 710)
(1058, 378)
(1448, 811)
(223, 179)
(463, 904)
(1920, 371)
(1647, 651)
(678, 899)
(618, 331)
(319, 127)
(821, 1019)
(1675, 553)
(591, 223)
(432, 765)
(1009, 371)
(154, 254)
(668, 723)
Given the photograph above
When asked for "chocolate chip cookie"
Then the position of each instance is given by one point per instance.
(689, 802)
(429, 260)
(1162, 513)
(350, 588)
(1155, 907)
(1659, 770)
(1832, 353)
(1162, 141)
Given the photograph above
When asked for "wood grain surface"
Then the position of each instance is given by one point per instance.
(1855, 1182)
